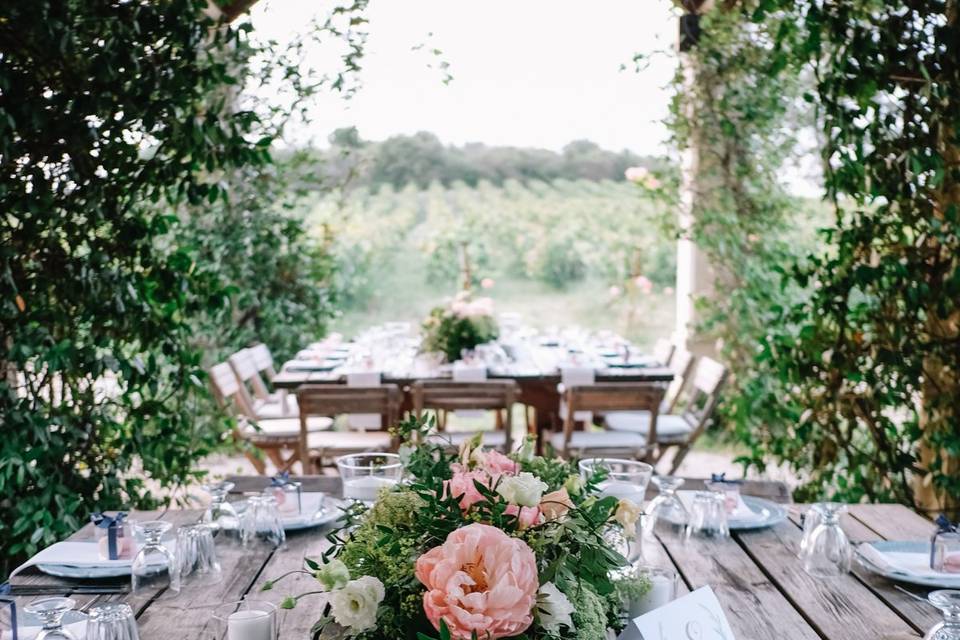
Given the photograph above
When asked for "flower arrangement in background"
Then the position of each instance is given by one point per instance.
(475, 544)
(460, 325)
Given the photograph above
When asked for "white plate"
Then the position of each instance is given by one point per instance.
(771, 514)
(313, 515)
(948, 581)
(67, 571)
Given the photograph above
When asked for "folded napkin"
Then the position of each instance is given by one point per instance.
(309, 365)
(72, 554)
(913, 563)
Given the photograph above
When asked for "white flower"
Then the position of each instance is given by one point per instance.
(332, 575)
(628, 512)
(526, 452)
(355, 606)
(524, 490)
(553, 608)
(573, 484)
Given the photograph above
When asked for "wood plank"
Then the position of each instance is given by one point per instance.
(840, 607)
(755, 608)
(330, 485)
(893, 521)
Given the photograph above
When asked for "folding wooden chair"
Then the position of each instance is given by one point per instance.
(330, 401)
(679, 430)
(498, 396)
(263, 404)
(663, 351)
(263, 360)
(603, 398)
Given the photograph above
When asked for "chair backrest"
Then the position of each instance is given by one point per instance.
(614, 396)
(246, 369)
(227, 388)
(663, 351)
(333, 400)
(263, 360)
(681, 365)
(454, 396)
(703, 394)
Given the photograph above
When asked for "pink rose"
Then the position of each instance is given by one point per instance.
(526, 516)
(495, 463)
(555, 505)
(480, 580)
(461, 486)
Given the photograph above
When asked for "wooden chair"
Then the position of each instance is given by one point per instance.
(279, 439)
(679, 430)
(335, 400)
(498, 396)
(604, 398)
(263, 360)
(681, 365)
(663, 350)
(263, 404)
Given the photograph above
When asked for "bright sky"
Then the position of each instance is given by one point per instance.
(536, 73)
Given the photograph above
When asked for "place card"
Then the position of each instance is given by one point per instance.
(695, 616)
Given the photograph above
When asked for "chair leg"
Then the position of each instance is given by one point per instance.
(678, 458)
(256, 462)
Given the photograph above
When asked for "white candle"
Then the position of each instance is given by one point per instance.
(623, 490)
(365, 488)
(250, 624)
(660, 593)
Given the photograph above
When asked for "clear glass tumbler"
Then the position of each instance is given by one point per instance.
(811, 520)
(666, 515)
(948, 601)
(50, 612)
(261, 522)
(622, 479)
(365, 474)
(113, 621)
(828, 553)
(154, 567)
(708, 516)
(196, 555)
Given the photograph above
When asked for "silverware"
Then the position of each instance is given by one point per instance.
(912, 594)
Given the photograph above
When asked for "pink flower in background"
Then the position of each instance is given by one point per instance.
(668, 291)
(462, 485)
(480, 580)
(526, 516)
(495, 463)
(614, 291)
(651, 183)
(556, 504)
(487, 283)
(643, 284)
(636, 174)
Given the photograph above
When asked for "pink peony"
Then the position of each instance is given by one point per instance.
(462, 486)
(480, 580)
(495, 463)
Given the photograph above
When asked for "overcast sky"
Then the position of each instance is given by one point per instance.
(525, 72)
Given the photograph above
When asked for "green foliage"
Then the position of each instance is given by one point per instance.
(123, 143)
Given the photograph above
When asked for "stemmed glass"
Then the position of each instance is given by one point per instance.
(154, 567)
(220, 514)
(811, 520)
(828, 553)
(948, 601)
(50, 611)
(666, 515)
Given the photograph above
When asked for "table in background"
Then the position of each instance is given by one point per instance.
(756, 576)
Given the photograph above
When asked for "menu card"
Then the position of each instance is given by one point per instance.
(695, 616)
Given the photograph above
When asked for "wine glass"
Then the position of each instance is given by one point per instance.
(948, 601)
(666, 515)
(828, 552)
(50, 611)
(708, 516)
(220, 513)
(811, 520)
(154, 567)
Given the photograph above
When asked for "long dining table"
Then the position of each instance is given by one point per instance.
(755, 574)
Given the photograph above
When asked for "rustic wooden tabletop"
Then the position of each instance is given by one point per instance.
(756, 576)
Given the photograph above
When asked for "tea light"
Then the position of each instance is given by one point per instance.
(249, 624)
(366, 488)
(662, 591)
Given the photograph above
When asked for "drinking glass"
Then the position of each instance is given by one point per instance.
(624, 479)
(155, 566)
(663, 590)
(948, 601)
(8, 617)
(945, 554)
(196, 555)
(730, 491)
(112, 622)
(221, 514)
(708, 516)
(245, 620)
(261, 522)
(365, 474)
(50, 612)
(666, 515)
(828, 552)
(811, 520)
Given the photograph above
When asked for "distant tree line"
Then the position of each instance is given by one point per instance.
(422, 158)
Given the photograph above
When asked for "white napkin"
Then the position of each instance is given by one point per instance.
(74, 554)
(915, 564)
(364, 421)
(571, 377)
(742, 513)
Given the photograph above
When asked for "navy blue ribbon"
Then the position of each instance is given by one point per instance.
(722, 477)
(282, 479)
(13, 612)
(945, 526)
(114, 527)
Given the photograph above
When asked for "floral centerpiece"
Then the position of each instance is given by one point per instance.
(460, 325)
(475, 545)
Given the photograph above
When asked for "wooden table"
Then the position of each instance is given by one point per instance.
(756, 576)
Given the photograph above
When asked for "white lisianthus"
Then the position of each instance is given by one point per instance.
(628, 512)
(573, 484)
(524, 489)
(332, 575)
(527, 451)
(355, 605)
(553, 608)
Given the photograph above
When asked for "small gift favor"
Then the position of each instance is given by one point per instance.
(945, 547)
(286, 492)
(729, 488)
(8, 618)
(114, 536)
